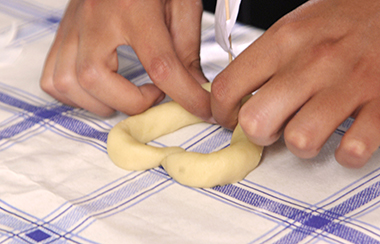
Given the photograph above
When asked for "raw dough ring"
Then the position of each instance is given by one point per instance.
(127, 148)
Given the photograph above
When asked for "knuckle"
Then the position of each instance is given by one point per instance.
(255, 126)
(356, 153)
(288, 35)
(219, 88)
(47, 86)
(63, 82)
(326, 54)
(88, 75)
(160, 68)
(301, 143)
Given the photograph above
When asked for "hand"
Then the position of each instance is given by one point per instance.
(81, 68)
(313, 68)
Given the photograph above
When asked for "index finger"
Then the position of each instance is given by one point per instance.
(185, 29)
(152, 42)
(251, 69)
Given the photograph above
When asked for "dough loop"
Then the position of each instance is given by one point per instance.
(127, 148)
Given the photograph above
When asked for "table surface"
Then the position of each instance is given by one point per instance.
(58, 185)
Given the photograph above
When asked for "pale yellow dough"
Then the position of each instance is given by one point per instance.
(127, 148)
(126, 141)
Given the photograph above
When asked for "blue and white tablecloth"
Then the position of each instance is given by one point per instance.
(57, 184)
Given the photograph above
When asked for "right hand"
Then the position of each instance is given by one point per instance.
(312, 70)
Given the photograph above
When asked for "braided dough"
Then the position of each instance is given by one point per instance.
(127, 148)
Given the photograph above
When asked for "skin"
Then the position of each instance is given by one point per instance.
(312, 69)
(81, 67)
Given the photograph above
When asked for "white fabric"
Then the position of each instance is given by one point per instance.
(57, 184)
(8, 54)
(224, 25)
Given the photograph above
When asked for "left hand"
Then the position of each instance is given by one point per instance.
(312, 69)
(81, 67)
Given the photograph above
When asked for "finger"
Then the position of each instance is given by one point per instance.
(156, 52)
(97, 65)
(46, 81)
(310, 128)
(114, 90)
(264, 116)
(362, 139)
(250, 70)
(65, 78)
(270, 53)
(185, 29)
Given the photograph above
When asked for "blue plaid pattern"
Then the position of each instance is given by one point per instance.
(336, 219)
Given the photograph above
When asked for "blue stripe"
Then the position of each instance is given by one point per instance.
(310, 221)
(80, 128)
(18, 128)
(131, 76)
(53, 114)
(365, 196)
(4, 98)
(22, 94)
(195, 136)
(351, 234)
(104, 204)
(32, 10)
(216, 141)
(72, 216)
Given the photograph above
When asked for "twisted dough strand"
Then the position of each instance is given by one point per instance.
(127, 148)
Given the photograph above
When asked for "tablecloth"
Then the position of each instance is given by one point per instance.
(58, 185)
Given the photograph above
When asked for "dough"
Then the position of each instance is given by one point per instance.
(127, 148)
(229, 165)
(126, 141)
